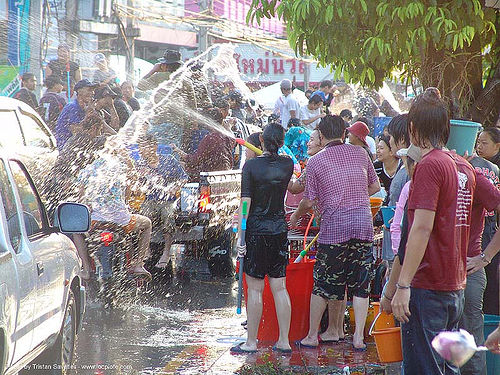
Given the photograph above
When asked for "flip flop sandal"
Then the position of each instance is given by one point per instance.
(238, 350)
(300, 345)
(280, 350)
(359, 349)
(321, 341)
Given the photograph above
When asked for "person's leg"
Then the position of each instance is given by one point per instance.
(329, 284)
(359, 263)
(142, 226)
(431, 313)
(332, 333)
(83, 253)
(254, 311)
(318, 305)
(472, 321)
(283, 310)
(491, 294)
(360, 306)
(167, 212)
(341, 318)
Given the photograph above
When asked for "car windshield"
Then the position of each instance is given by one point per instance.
(11, 132)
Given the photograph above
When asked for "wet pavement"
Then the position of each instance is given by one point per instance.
(188, 328)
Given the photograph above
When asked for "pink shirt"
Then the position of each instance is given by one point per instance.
(398, 217)
(338, 178)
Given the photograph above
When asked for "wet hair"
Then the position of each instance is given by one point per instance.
(346, 113)
(294, 122)
(398, 128)
(221, 103)
(315, 99)
(326, 83)
(273, 137)
(429, 116)
(254, 140)
(332, 127)
(385, 139)
(27, 76)
(367, 121)
(51, 81)
(308, 91)
(494, 133)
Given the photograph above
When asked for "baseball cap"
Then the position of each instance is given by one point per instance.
(99, 57)
(171, 56)
(286, 84)
(84, 83)
(412, 152)
(320, 93)
(360, 130)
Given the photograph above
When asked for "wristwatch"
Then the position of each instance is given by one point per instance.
(484, 259)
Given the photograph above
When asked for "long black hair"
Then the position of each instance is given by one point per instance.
(398, 128)
(273, 137)
(494, 134)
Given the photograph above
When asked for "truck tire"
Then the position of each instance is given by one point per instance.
(220, 259)
(59, 356)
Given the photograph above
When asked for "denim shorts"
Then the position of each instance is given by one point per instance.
(340, 266)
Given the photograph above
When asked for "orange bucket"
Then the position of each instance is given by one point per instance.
(375, 204)
(388, 342)
(384, 320)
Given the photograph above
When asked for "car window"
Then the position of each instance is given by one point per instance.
(32, 210)
(9, 206)
(34, 134)
(11, 132)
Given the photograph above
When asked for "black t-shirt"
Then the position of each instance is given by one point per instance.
(265, 180)
(385, 179)
(58, 69)
(28, 97)
(51, 105)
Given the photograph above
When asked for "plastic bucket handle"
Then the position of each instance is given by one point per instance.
(373, 323)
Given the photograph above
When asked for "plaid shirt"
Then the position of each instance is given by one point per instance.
(338, 178)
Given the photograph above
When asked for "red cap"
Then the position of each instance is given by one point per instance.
(360, 130)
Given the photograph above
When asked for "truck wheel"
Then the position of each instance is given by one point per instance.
(59, 356)
(220, 260)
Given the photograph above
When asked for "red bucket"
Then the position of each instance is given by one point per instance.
(299, 283)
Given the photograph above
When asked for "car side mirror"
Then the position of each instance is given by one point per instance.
(72, 218)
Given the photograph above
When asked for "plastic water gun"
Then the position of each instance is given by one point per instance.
(69, 81)
(244, 211)
(304, 252)
(250, 146)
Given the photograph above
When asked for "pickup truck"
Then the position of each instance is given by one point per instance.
(205, 213)
(42, 300)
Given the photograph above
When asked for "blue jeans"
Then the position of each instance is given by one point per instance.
(431, 313)
(473, 321)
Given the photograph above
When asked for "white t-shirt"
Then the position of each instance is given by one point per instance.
(370, 143)
(289, 104)
(306, 114)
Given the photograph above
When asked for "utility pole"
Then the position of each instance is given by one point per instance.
(203, 33)
(35, 42)
(307, 69)
(131, 33)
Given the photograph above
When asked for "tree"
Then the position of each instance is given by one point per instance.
(449, 44)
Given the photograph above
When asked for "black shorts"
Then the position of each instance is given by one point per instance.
(348, 264)
(266, 255)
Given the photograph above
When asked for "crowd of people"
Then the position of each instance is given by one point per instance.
(441, 247)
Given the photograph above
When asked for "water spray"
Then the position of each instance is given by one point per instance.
(250, 146)
(242, 259)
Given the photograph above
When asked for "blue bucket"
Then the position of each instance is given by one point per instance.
(463, 136)
(388, 214)
(492, 360)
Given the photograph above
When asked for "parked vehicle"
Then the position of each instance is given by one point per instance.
(42, 300)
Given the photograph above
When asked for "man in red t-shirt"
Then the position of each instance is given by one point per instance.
(486, 198)
(429, 297)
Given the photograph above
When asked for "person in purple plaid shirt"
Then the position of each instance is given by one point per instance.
(340, 180)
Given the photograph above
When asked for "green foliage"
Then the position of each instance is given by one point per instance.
(366, 40)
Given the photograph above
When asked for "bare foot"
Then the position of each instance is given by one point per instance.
(308, 341)
(328, 337)
(283, 345)
(358, 342)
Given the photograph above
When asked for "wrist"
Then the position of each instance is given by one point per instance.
(402, 286)
(485, 258)
(384, 295)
